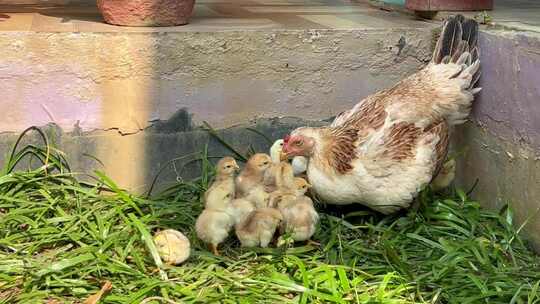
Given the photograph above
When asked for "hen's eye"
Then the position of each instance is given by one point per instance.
(299, 143)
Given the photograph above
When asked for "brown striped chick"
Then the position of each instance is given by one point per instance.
(299, 215)
(249, 184)
(223, 184)
(253, 174)
(258, 229)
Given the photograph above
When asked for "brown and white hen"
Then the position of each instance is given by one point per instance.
(389, 146)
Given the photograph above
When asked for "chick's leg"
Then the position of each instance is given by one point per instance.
(311, 242)
(214, 249)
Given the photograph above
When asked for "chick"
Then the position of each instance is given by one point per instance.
(281, 173)
(446, 175)
(258, 196)
(301, 186)
(299, 216)
(213, 227)
(259, 227)
(223, 184)
(253, 174)
(173, 246)
(299, 163)
(214, 224)
(240, 209)
(287, 193)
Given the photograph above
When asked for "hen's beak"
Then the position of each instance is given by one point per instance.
(283, 156)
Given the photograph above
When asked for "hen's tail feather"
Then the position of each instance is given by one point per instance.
(449, 40)
(458, 37)
(458, 44)
(456, 59)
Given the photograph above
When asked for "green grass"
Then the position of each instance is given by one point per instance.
(62, 238)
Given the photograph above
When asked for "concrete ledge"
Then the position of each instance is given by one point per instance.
(124, 81)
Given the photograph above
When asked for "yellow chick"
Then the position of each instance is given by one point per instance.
(446, 176)
(173, 246)
(214, 224)
(259, 227)
(299, 163)
(223, 184)
(240, 209)
(299, 216)
(258, 196)
(253, 174)
(281, 173)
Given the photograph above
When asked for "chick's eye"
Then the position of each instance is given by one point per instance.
(228, 166)
(265, 163)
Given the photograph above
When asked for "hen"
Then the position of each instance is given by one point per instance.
(390, 145)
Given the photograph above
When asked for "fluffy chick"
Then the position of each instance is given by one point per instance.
(214, 224)
(281, 173)
(289, 194)
(253, 174)
(446, 176)
(299, 216)
(299, 163)
(173, 246)
(223, 185)
(240, 209)
(259, 227)
(213, 227)
(258, 196)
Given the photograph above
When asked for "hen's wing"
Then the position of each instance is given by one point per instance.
(428, 101)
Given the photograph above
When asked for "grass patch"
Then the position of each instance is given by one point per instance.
(61, 239)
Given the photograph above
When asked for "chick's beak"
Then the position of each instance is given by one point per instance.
(236, 168)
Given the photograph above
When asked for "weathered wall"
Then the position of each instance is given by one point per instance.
(503, 142)
(127, 80)
(94, 86)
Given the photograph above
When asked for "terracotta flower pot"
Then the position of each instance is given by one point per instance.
(146, 12)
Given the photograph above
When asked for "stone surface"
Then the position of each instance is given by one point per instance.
(510, 111)
(507, 173)
(146, 12)
(503, 143)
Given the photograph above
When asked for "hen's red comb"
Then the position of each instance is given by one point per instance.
(286, 138)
